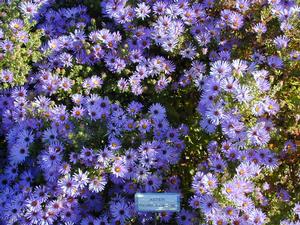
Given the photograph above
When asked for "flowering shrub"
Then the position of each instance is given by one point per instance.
(103, 99)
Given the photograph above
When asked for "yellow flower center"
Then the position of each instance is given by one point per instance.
(117, 169)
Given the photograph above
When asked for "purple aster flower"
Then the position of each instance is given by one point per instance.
(229, 84)
(7, 76)
(209, 182)
(281, 41)
(258, 136)
(97, 184)
(123, 85)
(239, 66)
(231, 212)
(275, 62)
(22, 36)
(134, 108)
(114, 144)
(86, 154)
(189, 51)
(236, 20)
(184, 217)
(159, 7)
(219, 220)
(194, 202)
(157, 111)
(242, 5)
(208, 204)
(218, 165)
(136, 56)
(89, 220)
(152, 183)
(258, 58)
(94, 82)
(162, 83)
(78, 112)
(271, 106)
(248, 170)
(297, 209)
(66, 59)
(224, 55)
(257, 217)
(220, 69)
(142, 10)
(295, 55)
(28, 8)
(207, 125)
(263, 85)
(215, 113)
(258, 109)
(165, 216)
(290, 146)
(243, 94)
(50, 159)
(68, 185)
(232, 154)
(212, 86)
(81, 178)
(120, 210)
(283, 195)
(7, 45)
(119, 169)
(18, 153)
(144, 126)
(16, 24)
(66, 83)
(260, 28)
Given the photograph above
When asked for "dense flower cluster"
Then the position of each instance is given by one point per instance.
(244, 142)
(73, 167)
(83, 133)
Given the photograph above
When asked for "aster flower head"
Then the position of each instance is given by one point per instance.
(271, 106)
(257, 217)
(18, 153)
(97, 184)
(78, 112)
(281, 41)
(257, 135)
(144, 126)
(208, 204)
(152, 183)
(275, 62)
(220, 69)
(184, 217)
(68, 185)
(295, 55)
(29, 8)
(134, 108)
(248, 170)
(260, 28)
(297, 209)
(7, 46)
(212, 86)
(242, 5)
(157, 111)
(16, 24)
(81, 178)
(7, 76)
(236, 20)
(119, 169)
(215, 113)
(22, 36)
(142, 10)
(120, 210)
